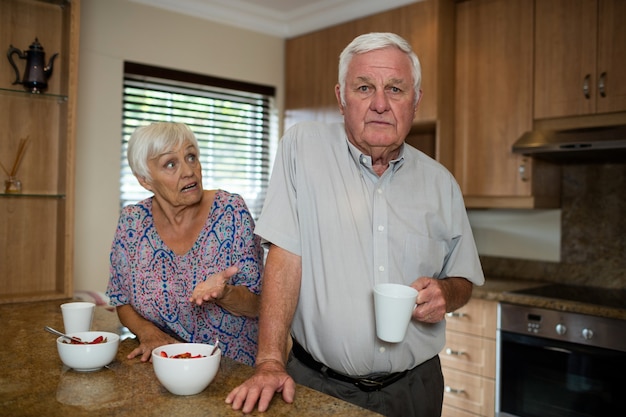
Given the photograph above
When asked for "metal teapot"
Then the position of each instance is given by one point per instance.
(36, 73)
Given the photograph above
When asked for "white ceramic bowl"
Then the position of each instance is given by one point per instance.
(87, 358)
(186, 376)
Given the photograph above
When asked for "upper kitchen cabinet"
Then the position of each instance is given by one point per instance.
(37, 222)
(494, 107)
(580, 53)
(312, 59)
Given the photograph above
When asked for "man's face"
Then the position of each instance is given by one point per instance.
(380, 100)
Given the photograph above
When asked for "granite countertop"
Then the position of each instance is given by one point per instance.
(34, 381)
(504, 291)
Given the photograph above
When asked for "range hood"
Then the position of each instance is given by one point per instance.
(598, 144)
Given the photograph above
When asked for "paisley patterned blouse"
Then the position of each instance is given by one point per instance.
(157, 283)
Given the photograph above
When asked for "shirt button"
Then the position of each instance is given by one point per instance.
(381, 268)
(381, 228)
(381, 349)
(379, 190)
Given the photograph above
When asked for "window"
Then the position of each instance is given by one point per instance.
(233, 121)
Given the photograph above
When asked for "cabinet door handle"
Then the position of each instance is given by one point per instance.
(522, 171)
(451, 390)
(456, 314)
(454, 352)
(602, 85)
(586, 86)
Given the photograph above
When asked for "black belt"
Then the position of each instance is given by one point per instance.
(367, 384)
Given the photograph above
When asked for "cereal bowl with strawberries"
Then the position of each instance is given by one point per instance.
(186, 368)
(97, 351)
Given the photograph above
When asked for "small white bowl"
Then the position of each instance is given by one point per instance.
(87, 358)
(186, 376)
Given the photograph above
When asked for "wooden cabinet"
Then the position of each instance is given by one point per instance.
(312, 60)
(469, 360)
(580, 57)
(494, 107)
(36, 225)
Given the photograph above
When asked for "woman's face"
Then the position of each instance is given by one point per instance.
(176, 176)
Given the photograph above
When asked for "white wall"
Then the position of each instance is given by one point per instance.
(518, 234)
(113, 31)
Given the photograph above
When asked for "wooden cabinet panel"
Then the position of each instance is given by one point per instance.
(469, 392)
(468, 360)
(612, 55)
(579, 45)
(37, 224)
(478, 317)
(494, 107)
(448, 411)
(470, 354)
(565, 55)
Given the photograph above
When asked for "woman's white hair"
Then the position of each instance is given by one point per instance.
(371, 42)
(148, 142)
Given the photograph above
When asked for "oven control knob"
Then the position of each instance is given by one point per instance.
(560, 329)
(587, 334)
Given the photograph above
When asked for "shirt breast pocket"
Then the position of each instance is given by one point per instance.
(423, 257)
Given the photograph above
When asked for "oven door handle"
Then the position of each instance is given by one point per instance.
(558, 349)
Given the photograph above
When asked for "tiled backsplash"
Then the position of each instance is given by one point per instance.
(593, 236)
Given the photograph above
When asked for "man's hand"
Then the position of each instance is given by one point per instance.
(270, 377)
(436, 297)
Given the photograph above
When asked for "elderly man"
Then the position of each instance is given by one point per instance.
(349, 206)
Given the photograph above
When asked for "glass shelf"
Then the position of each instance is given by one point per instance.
(32, 195)
(42, 96)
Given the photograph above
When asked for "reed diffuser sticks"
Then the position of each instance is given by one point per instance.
(21, 148)
(12, 184)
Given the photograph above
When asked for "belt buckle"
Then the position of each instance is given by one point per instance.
(369, 384)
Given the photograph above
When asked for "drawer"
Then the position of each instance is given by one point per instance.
(477, 317)
(476, 355)
(469, 392)
(448, 411)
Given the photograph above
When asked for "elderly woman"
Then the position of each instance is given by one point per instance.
(185, 263)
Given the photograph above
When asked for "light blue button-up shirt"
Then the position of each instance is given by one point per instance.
(354, 229)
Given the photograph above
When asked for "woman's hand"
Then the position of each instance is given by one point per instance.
(149, 335)
(213, 288)
(148, 342)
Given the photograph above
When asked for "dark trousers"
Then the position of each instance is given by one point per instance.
(419, 393)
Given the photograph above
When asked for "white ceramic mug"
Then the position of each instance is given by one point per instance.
(393, 305)
(77, 316)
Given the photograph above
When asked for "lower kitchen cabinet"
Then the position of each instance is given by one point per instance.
(468, 360)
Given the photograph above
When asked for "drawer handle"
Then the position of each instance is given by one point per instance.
(456, 314)
(601, 84)
(586, 86)
(454, 352)
(454, 390)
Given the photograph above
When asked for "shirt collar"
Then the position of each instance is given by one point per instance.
(365, 161)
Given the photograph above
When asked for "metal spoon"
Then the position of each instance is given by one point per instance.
(58, 333)
(217, 341)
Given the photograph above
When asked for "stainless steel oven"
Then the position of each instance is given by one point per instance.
(555, 364)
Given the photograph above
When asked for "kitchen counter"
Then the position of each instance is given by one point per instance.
(34, 381)
(504, 291)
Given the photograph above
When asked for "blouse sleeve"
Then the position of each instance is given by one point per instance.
(118, 268)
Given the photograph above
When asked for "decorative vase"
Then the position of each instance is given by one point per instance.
(12, 185)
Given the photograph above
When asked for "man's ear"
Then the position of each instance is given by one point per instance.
(338, 96)
(417, 103)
